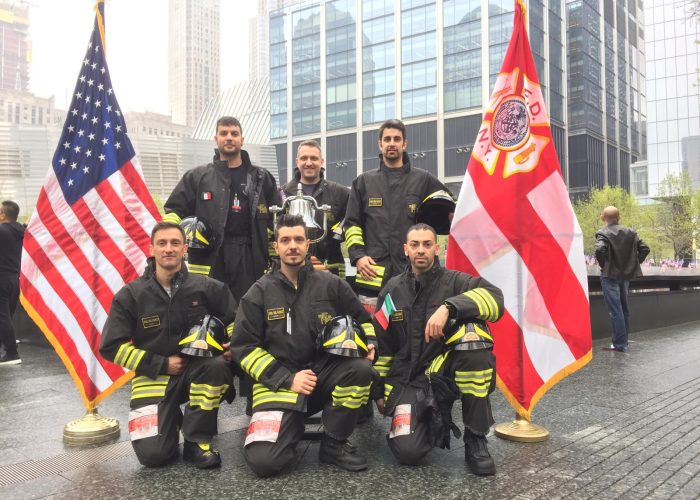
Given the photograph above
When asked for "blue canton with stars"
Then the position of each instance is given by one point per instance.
(93, 143)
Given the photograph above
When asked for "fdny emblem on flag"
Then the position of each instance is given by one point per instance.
(510, 126)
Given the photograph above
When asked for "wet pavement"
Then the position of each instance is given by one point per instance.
(625, 426)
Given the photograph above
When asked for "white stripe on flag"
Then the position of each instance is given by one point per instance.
(132, 202)
(549, 200)
(73, 226)
(54, 302)
(505, 268)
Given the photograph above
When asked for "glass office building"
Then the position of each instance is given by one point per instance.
(339, 68)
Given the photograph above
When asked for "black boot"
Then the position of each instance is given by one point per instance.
(341, 453)
(477, 455)
(202, 455)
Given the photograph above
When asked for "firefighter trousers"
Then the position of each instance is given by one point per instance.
(474, 373)
(202, 386)
(342, 387)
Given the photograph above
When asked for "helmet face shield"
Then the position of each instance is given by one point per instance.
(343, 336)
(204, 338)
(199, 234)
(435, 211)
(464, 335)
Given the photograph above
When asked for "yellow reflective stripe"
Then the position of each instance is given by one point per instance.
(376, 281)
(212, 342)
(460, 333)
(437, 363)
(198, 269)
(207, 397)
(476, 383)
(479, 301)
(172, 217)
(360, 343)
(352, 396)
(229, 330)
(203, 403)
(383, 365)
(490, 301)
(146, 387)
(483, 333)
(123, 351)
(128, 356)
(188, 339)
(369, 330)
(336, 339)
(387, 390)
(353, 236)
(256, 362)
(262, 395)
(475, 376)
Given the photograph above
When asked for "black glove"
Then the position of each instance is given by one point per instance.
(445, 393)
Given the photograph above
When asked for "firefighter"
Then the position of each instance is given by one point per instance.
(142, 333)
(422, 376)
(234, 196)
(309, 173)
(275, 341)
(381, 207)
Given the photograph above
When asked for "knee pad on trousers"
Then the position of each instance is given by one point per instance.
(150, 455)
(263, 463)
(407, 455)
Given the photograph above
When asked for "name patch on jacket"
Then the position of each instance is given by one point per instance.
(375, 202)
(150, 322)
(273, 314)
(397, 315)
(205, 195)
(262, 209)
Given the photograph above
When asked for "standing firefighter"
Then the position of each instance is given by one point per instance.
(152, 320)
(309, 173)
(302, 357)
(426, 363)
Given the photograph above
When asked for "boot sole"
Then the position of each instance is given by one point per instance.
(351, 468)
(483, 471)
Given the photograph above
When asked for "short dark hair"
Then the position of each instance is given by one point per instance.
(421, 226)
(162, 226)
(228, 121)
(289, 220)
(392, 123)
(11, 210)
(311, 143)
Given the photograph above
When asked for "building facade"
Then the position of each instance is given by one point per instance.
(673, 96)
(193, 57)
(339, 68)
(15, 49)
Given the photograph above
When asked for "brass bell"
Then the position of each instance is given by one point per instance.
(306, 207)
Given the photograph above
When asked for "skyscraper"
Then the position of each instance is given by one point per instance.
(193, 57)
(15, 49)
(339, 68)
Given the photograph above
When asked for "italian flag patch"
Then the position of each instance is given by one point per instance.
(385, 311)
(206, 195)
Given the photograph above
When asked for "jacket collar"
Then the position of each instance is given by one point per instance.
(427, 277)
(178, 279)
(306, 269)
(406, 163)
(245, 157)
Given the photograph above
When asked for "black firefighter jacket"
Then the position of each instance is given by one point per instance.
(403, 353)
(620, 252)
(330, 193)
(381, 208)
(145, 324)
(277, 327)
(205, 191)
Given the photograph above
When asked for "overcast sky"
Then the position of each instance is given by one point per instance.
(137, 48)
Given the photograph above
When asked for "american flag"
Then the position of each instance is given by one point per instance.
(89, 233)
(514, 226)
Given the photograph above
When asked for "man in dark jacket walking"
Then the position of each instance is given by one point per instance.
(619, 252)
(11, 235)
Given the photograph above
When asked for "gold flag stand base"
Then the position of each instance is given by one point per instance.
(91, 428)
(521, 430)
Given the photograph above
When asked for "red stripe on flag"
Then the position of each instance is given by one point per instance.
(57, 281)
(73, 252)
(104, 242)
(77, 363)
(137, 185)
(123, 216)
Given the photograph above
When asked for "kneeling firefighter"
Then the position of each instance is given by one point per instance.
(435, 348)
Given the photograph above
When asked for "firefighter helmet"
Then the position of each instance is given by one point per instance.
(199, 234)
(435, 211)
(343, 336)
(204, 338)
(467, 335)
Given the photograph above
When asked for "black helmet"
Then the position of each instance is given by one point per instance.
(435, 210)
(199, 234)
(343, 336)
(460, 335)
(205, 338)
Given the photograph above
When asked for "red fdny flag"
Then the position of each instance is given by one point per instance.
(89, 234)
(514, 226)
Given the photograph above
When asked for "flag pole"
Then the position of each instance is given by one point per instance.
(92, 428)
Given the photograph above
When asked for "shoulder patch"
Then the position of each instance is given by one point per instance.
(275, 314)
(375, 202)
(150, 321)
